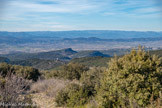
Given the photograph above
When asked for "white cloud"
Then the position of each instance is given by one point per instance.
(51, 14)
(61, 6)
(147, 10)
(108, 7)
(42, 26)
(133, 9)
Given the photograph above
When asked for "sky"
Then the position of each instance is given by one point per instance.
(64, 15)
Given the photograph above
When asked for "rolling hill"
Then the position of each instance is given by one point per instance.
(48, 60)
(51, 60)
(4, 59)
(102, 61)
(63, 55)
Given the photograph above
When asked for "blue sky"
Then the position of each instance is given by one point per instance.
(60, 15)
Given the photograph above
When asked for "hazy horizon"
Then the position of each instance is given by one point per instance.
(86, 30)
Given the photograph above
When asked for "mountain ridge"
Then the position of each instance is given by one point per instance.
(85, 33)
(64, 54)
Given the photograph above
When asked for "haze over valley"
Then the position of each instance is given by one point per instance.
(31, 42)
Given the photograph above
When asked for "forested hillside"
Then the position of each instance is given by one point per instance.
(48, 60)
(55, 59)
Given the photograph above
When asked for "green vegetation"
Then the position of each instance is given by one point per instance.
(102, 61)
(131, 81)
(39, 64)
(50, 60)
(12, 89)
(25, 72)
(92, 61)
(69, 71)
(89, 53)
(73, 95)
(80, 94)
(91, 79)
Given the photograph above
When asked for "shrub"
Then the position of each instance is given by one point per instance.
(74, 71)
(91, 79)
(4, 68)
(131, 81)
(54, 74)
(12, 90)
(62, 98)
(27, 72)
(72, 95)
(70, 71)
(21, 71)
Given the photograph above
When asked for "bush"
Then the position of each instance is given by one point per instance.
(70, 71)
(74, 71)
(62, 98)
(72, 95)
(13, 91)
(54, 74)
(91, 79)
(131, 81)
(21, 71)
(27, 72)
(4, 68)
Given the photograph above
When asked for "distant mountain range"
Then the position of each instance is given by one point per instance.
(104, 34)
(32, 42)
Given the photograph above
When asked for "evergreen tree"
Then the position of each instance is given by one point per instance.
(131, 81)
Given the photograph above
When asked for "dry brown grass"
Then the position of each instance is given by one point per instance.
(45, 91)
(50, 87)
(43, 101)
